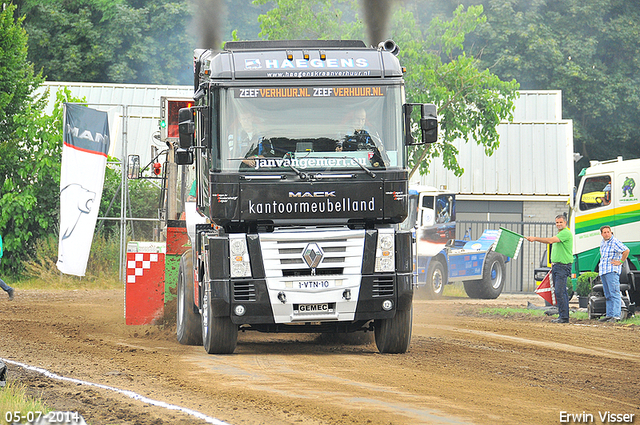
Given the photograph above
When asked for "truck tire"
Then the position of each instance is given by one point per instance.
(591, 314)
(394, 335)
(188, 326)
(219, 334)
(436, 279)
(472, 288)
(494, 273)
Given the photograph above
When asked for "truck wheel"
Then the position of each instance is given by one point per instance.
(219, 334)
(590, 311)
(394, 335)
(494, 273)
(188, 329)
(472, 288)
(435, 280)
(624, 313)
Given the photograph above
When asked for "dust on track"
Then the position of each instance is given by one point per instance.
(462, 367)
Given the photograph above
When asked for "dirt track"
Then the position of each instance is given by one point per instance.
(462, 368)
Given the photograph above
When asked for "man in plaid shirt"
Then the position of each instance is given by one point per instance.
(613, 254)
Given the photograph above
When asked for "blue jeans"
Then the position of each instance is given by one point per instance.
(611, 288)
(560, 273)
(4, 286)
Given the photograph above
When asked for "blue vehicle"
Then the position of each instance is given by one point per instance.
(441, 259)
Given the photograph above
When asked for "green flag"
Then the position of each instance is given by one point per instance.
(508, 243)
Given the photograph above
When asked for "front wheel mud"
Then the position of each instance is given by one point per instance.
(394, 335)
(219, 334)
(494, 273)
(436, 279)
(188, 327)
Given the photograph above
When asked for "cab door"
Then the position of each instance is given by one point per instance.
(595, 206)
(626, 222)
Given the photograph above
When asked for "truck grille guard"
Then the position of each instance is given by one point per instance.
(332, 252)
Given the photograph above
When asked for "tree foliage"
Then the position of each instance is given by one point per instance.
(144, 201)
(29, 203)
(30, 195)
(471, 101)
(17, 78)
(309, 20)
(586, 48)
(589, 49)
(143, 42)
(20, 179)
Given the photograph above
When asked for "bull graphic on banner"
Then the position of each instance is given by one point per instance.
(77, 201)
(84, 157)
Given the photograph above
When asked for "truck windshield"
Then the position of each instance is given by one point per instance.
(310, 128)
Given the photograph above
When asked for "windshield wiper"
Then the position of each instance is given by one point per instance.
(301, 174)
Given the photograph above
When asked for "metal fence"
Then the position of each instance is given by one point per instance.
(519, 271)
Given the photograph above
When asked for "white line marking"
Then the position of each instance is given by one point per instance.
(127, 393)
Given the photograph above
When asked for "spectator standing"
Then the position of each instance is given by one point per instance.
(613, 254)
(9, 290)
(562, 259)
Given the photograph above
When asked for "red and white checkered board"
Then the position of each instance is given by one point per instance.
(138, 262)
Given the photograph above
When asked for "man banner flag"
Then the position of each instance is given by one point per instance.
(546, 289)
(84, 157)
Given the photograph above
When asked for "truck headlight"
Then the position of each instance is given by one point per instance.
(239, 262)
(385, 251)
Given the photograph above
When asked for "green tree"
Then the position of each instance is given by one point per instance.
(309, 19)
(30, 199)
(144, 201)
(589, 49)
(471, 101)
(242, 18)
(145, 42)
(17, 80)
(17, 83)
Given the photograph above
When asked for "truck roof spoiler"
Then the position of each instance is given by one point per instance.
(610, 161)
(293, 44)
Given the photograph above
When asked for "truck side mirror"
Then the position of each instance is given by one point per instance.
(186, 127)
(184, 156)
(133, 167)
(408, 137)
(428, 123)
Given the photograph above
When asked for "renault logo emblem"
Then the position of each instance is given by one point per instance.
(312, 255)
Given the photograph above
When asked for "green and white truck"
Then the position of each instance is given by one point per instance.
(607, 195)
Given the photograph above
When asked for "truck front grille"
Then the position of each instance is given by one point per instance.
(342, 252)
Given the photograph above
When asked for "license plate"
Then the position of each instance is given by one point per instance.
(314, 308)
(313, 284)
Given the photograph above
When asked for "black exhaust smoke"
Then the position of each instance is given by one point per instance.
(376, 15)
(208, 16)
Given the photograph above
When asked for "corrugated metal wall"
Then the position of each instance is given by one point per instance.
(140, 103)
(535, 156)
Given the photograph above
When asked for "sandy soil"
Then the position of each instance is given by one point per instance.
(462, 368)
